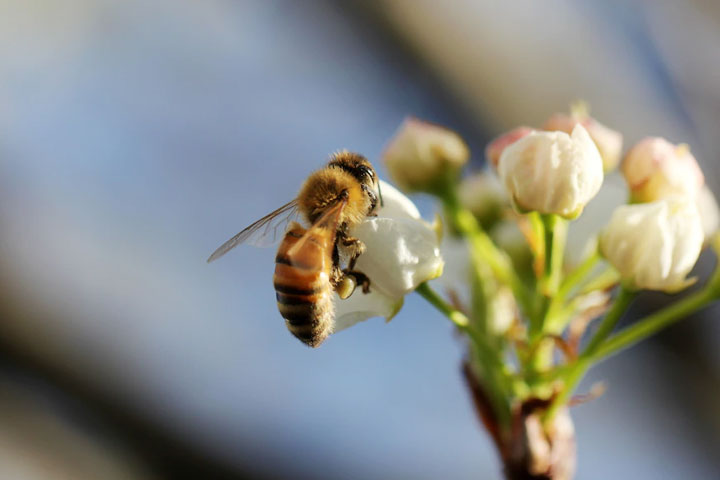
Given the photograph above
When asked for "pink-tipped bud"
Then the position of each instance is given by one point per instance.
(495, 148)
(552, 172)
(654, 245)
(655, 169)
(421, 153)
(608, 141)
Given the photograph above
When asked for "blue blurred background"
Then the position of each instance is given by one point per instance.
(137, 136)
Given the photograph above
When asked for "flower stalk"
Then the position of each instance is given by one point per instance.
(515, 316)
(555, 238)
(658, 321)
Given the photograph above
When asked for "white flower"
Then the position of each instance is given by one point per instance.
(608, 141)
(655, 168)
(709, 212)
(498, 145)
(421, 152)
(552, 172)
(654, 245)
(402, 252)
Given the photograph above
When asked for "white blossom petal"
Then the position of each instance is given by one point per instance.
(360, 307)
(654, 245)
(709, 212)
(395, 204)
(655, 168)
(608, 141)
(402, 251)
(420, 152)
(552, 172)
(401, 254)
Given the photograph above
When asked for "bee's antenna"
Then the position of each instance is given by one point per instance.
(382, 204)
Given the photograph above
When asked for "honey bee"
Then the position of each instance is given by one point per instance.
(308, 268)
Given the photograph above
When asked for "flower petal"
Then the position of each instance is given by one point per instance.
(420, 152)
(395, 204)
(401, 254)
(362, 306)
(654, 245)
(552, 172)
(709, 212)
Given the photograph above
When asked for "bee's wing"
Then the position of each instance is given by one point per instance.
(324, 227)
(262, 233)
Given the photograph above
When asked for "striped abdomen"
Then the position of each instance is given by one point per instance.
(302, 284)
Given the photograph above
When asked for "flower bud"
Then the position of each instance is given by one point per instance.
(495, 148)
(552, 172)
(483, 195)
(709, 212)
(654, 245)
(608, 141)
(655, 168)
(421, 153)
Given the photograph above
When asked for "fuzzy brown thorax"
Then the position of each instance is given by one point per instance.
(346, 172)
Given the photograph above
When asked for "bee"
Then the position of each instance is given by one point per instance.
(308, 267)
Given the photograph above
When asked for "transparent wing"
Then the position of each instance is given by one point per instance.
(324, 228)
(264, 232)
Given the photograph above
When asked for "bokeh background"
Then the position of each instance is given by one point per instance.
(136, 136)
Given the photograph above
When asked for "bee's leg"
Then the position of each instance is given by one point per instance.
(360, 278)
(355, 248)
(336, 273)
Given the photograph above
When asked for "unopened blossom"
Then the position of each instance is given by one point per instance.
(655, 168)
(608, 141)
(552, 172)
(403, 251)
(709, 212)
(484, 196)
(421, 154)
(654, 245)
(498, 145)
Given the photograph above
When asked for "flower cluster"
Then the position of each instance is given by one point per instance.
(506, 284)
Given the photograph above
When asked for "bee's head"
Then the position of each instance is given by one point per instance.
(359, 167)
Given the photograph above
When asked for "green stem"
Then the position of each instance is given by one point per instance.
(499, 382)
(458, 318)
(555, 238)
(652, 324)
(483, 250)
(600, 347)
(605, 280)
(625, 296)
(538, 232)
(578, 275)
(560, 312)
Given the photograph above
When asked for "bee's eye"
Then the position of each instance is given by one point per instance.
(365, 171)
